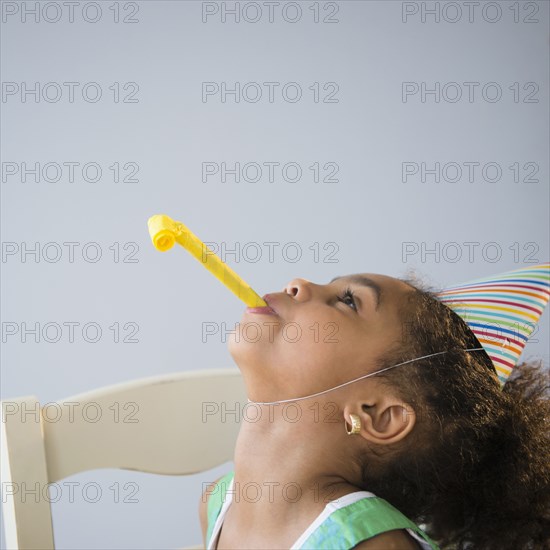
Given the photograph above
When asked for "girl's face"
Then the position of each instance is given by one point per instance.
(321, 335)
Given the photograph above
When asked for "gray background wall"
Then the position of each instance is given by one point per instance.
(160, 129)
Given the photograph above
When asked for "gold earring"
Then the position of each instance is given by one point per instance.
(355, 424)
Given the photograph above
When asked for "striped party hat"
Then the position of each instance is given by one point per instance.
(502, 311)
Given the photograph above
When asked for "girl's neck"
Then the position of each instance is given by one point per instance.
(285, 474)
(291, 458)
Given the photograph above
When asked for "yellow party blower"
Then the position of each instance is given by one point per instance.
(165, 232)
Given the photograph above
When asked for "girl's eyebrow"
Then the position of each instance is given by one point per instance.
(364, 281)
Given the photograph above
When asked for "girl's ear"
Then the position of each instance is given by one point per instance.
(385, 419)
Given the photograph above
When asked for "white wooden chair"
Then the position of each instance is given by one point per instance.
(174, 425)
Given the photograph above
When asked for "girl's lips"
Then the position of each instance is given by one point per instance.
(263, 310)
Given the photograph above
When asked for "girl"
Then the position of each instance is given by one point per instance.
(344, 454)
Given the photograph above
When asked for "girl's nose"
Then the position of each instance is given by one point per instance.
(299, 289)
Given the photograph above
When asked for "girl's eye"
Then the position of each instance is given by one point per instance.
(348, 298)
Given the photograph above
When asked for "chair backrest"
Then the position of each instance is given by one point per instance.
(173, 424)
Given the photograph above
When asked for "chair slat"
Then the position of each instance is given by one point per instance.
(25, 502)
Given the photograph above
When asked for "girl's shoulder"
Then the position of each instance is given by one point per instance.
(212, 501)
(390, 540)
(358, 517)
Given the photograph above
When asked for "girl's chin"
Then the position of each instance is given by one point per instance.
(248, 355)
(255, 333)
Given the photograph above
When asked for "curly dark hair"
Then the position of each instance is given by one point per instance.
(475, 470)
